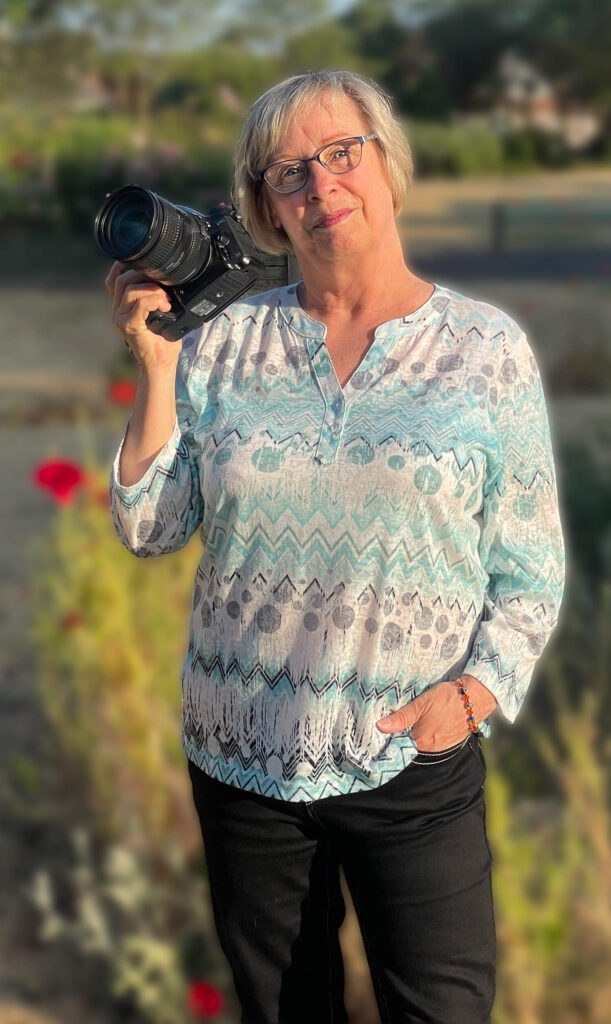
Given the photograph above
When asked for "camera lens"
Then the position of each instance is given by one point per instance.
(130, 222)
(168, 243)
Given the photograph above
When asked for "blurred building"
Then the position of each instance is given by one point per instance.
(519, 96)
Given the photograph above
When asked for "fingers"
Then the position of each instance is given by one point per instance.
(111, 277)
(146, 296)
(130, 317)
(135, 297)
(402, 718)
(122, 280)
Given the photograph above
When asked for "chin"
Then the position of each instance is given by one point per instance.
(338, 245)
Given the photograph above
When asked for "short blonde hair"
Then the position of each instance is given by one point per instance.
(269, 119)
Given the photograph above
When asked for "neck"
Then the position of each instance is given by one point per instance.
(377, 281)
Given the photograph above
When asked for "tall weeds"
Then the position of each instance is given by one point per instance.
(552, 858)
(110, 631)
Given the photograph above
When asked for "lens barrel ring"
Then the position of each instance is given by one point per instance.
(163, 243)
(168, 243)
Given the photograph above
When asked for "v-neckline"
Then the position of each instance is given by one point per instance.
(369, 367)
(364, 355)
(343, 385)
(374, 364)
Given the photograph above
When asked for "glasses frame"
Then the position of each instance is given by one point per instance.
(308, 160)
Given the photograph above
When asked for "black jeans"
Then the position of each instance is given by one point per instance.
(417, 862)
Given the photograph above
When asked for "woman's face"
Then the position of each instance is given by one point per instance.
(333, 215)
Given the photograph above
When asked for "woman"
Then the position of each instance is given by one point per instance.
(368, 456)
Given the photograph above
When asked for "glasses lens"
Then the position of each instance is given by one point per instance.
(343, 156)
(287, 176)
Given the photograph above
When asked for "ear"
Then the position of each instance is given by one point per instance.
(269, 210)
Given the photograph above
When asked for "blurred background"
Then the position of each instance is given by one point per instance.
(104, 906)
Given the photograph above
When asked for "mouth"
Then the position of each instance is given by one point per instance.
(332, 218)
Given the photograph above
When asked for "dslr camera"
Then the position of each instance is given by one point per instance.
(204, 261)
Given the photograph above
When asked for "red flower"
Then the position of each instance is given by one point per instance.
(61, 478)
(19, 161)
(205, 1000)
(123, 392)
(71, 620)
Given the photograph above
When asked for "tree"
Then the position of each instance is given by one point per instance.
(570, 41)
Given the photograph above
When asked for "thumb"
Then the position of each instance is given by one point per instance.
(402, 718)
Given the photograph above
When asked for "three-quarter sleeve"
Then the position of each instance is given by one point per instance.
(159, 513)
(521, 543)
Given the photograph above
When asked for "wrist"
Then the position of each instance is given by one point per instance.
(154, 376)
(478, 700)
(464, 696)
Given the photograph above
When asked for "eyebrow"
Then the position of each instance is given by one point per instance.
(328, 138)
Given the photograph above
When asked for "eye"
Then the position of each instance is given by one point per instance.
(288, 171)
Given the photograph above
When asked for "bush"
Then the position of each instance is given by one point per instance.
(454, 150)
(532, 147)
(64, 181)
(110, 632)
(197, 176)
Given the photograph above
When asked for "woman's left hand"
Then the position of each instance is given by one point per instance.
(438, 717)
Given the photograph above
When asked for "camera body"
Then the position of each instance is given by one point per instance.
(204, 261)
(235, 266)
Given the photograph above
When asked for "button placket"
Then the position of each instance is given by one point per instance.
(338, 399)
(334, 416)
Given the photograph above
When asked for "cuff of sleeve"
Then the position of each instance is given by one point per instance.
(485, 728)
(165, 455)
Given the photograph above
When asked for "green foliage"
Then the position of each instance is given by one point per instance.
(191, 172)
(330, 45)
(268, 23)
(570, 40)
(530, 147)
(79, 116)
(110, 634)
(437, 67)
(25, 773)
(197, 83)
(552, 858)
(587, 514)
(453, 150)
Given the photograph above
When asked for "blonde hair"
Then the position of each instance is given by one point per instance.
(268, 121)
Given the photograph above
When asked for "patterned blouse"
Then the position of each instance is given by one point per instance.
(360, 543)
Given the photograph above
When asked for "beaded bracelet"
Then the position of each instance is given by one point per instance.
(468, 706)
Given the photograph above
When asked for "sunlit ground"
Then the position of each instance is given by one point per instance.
(571, 208)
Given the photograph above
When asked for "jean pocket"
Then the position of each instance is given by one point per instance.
(476, 749)
(437, 756)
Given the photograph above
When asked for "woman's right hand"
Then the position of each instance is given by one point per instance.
(134, 297)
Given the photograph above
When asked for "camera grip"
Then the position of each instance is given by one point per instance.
(162, 323)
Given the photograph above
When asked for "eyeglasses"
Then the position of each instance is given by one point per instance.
(338, 157)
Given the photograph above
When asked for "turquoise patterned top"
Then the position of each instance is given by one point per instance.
(360, 544)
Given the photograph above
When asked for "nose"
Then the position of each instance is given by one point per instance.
(320, 181)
